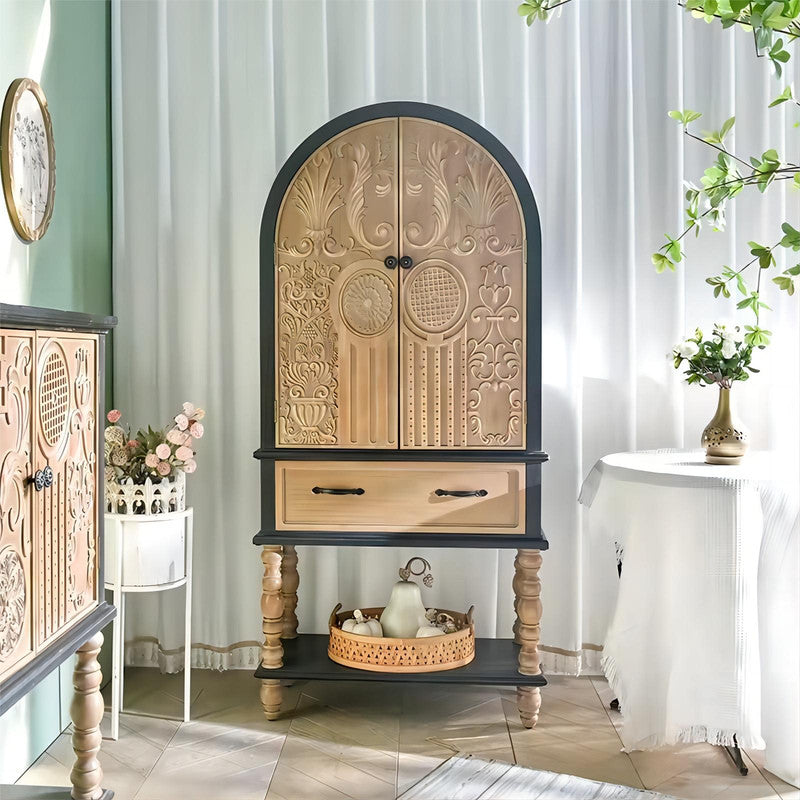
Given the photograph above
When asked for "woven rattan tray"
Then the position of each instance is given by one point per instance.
(383, 654)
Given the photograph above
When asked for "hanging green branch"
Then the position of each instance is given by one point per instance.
(707, 204)
(539, 9)
(771, 21)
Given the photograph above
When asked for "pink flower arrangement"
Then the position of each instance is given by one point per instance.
(154, 454)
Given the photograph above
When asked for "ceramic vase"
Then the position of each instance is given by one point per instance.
(725, 438)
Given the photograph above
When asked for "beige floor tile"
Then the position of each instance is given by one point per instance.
(46, 771)
(413, 767)
(289, 784)
(784, 790)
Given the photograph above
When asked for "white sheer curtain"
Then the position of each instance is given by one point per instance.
(211, 97)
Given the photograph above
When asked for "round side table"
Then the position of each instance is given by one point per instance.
(147, 553)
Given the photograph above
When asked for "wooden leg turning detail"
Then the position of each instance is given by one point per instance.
(290, 580)
(86, 711)
(529, 701)
(272, 626)
(271, 698)
(528, 604)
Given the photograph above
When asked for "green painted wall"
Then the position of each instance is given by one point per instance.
(65, 45)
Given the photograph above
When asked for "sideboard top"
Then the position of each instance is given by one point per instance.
(35, 317)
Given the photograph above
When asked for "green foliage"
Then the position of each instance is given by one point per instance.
(722, 358)
(538, 9)
(783, 97)
(774, 23)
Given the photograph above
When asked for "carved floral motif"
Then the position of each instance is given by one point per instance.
(366, 303)
(494, 358)
(12, 601)
(308, 353)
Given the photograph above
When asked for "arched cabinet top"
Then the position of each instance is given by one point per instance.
(420, 232)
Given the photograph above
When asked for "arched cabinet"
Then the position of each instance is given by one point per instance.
(401, 367)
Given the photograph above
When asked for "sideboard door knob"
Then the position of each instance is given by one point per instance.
(390, 261)
(406, 262)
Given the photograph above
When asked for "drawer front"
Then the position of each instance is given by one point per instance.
(399, 496)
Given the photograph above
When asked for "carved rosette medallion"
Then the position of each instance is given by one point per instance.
(12, 601)
(435, 299)
(366, 303)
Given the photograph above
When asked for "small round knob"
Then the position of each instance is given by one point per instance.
(406, 262)
(390, 261)
(47, 475)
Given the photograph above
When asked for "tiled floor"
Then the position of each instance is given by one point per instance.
(372, 741)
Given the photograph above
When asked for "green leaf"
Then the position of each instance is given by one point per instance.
(791, 237)
(686, 116)
(785, 283)
(783, 97)
(661, 262)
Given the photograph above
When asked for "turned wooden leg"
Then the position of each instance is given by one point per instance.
(290, 580)
(86, 711)
(272, 626)
(515, 628)
(271, 698)
(529, 701)
(527, 590)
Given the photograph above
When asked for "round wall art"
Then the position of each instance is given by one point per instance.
(27, 159)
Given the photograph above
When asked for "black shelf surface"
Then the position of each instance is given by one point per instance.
(494, 541)
(396, 454)
(495, 664)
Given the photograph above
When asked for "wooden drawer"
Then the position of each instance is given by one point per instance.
(399, 496)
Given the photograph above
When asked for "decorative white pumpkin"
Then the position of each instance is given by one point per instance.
(361, 625)
(428, 630)
(404, 613)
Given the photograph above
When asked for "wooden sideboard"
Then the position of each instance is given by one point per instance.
(400, 371)
(51, 522)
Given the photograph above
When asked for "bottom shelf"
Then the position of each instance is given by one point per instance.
(495, 664)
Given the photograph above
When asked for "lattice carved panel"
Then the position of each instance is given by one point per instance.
(66, 512)
(336, 307)
(16, 558)
(462, 304)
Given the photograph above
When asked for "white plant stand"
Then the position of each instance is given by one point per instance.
(147, 553)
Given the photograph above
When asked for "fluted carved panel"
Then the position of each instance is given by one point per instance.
(66, 512)
(16, 558)
(336, 304)
(462, 304)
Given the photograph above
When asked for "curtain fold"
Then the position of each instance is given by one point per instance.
(209, 99)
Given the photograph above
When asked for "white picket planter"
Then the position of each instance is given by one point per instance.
(159, 497)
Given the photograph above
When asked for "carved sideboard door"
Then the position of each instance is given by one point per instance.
(16, 557)
(336, 295)
(462, 294)
(65, 508)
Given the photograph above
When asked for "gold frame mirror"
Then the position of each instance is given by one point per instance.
(27, 159)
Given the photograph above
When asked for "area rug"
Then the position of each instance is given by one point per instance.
(469, 778)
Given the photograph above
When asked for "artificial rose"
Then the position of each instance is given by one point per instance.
(199, 413)
(114, 416)
(188, 409)
(115, 436)
(184, 453)
(728, 348)
(163, 468)
(182, 421)
(163, 451)
(197, 430)
(151, 460)
(190, 466)
(732, 335)
(687, 349)
(176, 437)
(133, 443)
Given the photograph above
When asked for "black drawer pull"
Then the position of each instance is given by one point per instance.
(461, 493)
(42, 479)
(406, 262)
(390, 261)
(321, 490)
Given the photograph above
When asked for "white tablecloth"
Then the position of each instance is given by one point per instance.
(705, 639)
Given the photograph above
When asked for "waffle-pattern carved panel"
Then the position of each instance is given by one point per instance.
(336, 301)
(16, 556)
(66, 512)
(463, 302)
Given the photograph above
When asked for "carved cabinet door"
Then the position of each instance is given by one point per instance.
(16, 534)
(336, 296)
(462, 318)
(65, 451)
